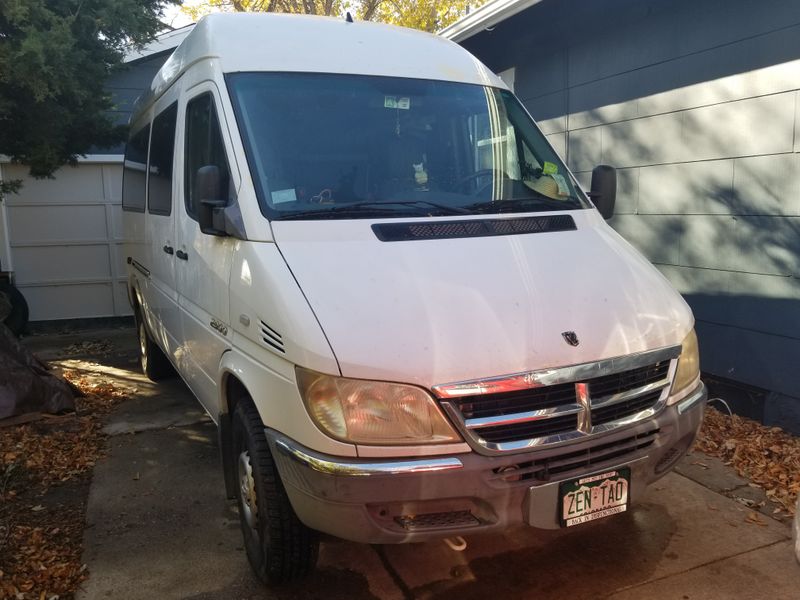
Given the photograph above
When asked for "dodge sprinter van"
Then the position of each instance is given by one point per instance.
(407, 319)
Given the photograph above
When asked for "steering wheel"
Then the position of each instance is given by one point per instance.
(477, 175)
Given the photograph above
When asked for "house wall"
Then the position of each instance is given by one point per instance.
(63, 236)
(696, 103)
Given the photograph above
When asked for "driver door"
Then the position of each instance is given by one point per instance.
(203, 261)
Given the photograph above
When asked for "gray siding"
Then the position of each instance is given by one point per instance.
(696, 103)
(125, 86)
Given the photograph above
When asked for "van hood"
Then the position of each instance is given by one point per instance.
(432, 312)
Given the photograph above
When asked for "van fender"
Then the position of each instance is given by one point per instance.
(270, 383)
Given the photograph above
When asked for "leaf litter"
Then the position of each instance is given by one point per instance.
(768, 457)
(40, 545)
(45, 467)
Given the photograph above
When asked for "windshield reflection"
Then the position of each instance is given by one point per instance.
(324, 146)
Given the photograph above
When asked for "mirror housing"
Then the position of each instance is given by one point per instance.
(604, 189)
(208, 189)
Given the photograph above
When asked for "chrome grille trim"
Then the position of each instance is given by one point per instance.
(622, 396)
(608, 412)
(523, 417)
(548, 377)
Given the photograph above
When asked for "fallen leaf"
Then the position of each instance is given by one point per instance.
(767, 456)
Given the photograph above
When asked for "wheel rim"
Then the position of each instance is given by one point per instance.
(247, 492)
(143, 345)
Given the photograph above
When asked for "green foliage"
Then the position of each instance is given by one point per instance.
(199, 8)
(55, 58)
(427, 15)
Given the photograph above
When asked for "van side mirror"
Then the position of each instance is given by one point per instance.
(208, 190)
(604, 190)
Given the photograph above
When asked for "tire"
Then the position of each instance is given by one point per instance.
(155, 365)
(17, 320)
(279, 547)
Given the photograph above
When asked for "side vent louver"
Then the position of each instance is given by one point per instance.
(272, 338)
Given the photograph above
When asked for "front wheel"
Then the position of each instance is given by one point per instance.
(16, 317)
(279, 547)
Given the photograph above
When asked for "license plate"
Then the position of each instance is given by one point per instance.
(594, 497)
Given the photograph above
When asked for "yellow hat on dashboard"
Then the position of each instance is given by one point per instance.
(546, 186)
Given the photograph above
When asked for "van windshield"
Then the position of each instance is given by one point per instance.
(323, 146)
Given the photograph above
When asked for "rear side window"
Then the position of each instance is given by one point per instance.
(134, 173)
(204, 147)
(162, 152)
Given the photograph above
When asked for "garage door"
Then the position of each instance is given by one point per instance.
(65, 240)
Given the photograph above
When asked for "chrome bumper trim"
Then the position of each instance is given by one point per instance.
(699, 395)
(331, 466)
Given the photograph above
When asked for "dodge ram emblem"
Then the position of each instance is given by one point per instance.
(570, 337)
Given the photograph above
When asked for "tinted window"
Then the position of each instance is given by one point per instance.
(134, 174)
(349, 146)
(204, 147)
(162, 151)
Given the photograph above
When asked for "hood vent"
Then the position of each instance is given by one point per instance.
(435, 230)
(272, 338)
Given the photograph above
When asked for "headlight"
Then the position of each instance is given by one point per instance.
(373, 412)
(688, 365)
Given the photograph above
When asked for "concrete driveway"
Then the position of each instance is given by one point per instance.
(159, 526)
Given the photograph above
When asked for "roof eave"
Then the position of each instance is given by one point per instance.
(486, 16)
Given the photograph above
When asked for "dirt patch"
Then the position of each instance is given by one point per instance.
(45, 471)
(768, 456)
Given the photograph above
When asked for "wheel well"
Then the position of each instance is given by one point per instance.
(234, 392)
(134, 300)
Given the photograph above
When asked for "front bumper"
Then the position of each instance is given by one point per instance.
(396, 501)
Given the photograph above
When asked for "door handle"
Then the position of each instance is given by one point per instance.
(169, 250)
(182, 255)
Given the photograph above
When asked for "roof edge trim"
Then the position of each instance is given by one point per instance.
(486, 16)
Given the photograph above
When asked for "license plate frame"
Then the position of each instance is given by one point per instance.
(591, 497)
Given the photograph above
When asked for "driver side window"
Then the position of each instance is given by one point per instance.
(204, 147)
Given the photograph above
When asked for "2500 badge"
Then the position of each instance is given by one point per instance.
(219, 326)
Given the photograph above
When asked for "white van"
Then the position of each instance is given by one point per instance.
(379, 279)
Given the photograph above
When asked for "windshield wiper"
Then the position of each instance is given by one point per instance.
(520, 204)
(448, 210)
(377, 208)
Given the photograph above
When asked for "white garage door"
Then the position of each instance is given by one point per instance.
(65, 240)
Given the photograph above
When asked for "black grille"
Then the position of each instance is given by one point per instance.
(546, 468)
(434, 230)
(506, 403)
(529, 430)
(461, 518)
(620, 410)
(628, 380)
(520, 401)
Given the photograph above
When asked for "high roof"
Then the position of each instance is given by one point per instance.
(301, 43)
